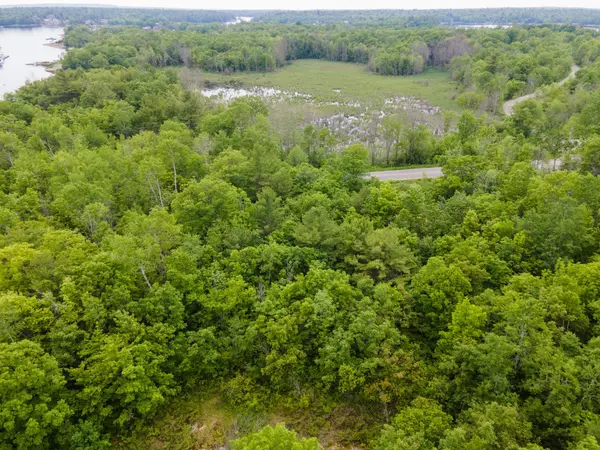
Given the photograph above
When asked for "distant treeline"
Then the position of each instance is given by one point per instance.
(436, 17)
(19, 16)
(263, 47)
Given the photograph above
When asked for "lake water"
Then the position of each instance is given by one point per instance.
(483, 25)
(24, 46)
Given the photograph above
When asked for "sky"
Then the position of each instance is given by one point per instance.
(322, 4)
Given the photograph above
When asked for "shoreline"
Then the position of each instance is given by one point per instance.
(33, 59)
(50, 66)
(33, 25)
(57, 44)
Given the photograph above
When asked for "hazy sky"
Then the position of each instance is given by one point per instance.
(322, 4)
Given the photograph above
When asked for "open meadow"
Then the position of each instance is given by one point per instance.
(329, 81)
(345, 98)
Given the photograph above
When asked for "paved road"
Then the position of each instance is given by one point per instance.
(509, 106)
(408, 174)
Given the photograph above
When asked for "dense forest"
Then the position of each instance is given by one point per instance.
(155, 244)
(35, 15)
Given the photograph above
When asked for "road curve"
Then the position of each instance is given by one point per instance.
(408, 174)
(509, 106)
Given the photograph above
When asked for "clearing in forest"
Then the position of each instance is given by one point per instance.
(328, 81)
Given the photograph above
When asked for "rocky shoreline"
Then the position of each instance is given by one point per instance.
(56, 44)
(50, 66)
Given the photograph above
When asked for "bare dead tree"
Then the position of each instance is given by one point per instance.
(191, 79)
(145, 277)
(280, 51)
(442, 52)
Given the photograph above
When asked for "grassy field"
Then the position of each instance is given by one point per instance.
(319, 78)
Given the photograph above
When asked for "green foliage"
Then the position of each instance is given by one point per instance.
(153, 244)
(33, 410)
(419, 426)
(488, 427)
(274, 438)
